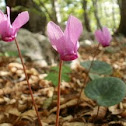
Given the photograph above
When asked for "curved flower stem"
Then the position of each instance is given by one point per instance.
(85, 81)
(29, 86)
(58, 93)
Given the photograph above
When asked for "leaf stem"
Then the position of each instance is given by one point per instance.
(96, 117)
(58, 93)
(29, 86)
(85, 81)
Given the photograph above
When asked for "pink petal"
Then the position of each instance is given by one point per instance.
(107, 34)
(6, 32)
(73, 29)
(2, 16)
(56, 36)
(98, 35)
(21, 19)
(77, 46)
(103, 36)
(3, 19)
(3, 28)
(8, 15)
(9, 26)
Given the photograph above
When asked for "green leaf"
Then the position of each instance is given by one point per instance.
(106, 91)
(94, 76)
(53, 74)
(112, 49)
(13, 53)
(98, 67)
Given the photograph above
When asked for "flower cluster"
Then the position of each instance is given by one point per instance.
(65, 43)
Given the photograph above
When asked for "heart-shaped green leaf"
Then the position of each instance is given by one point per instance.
(98, 67)
(106, 91)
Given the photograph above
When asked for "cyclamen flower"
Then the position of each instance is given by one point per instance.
(103, 36)
(65, 43)
(8, 32)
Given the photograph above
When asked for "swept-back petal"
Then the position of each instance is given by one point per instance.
(2, 16)
(8, 15)
(103, 36)
(3, 19)
(56, 36)
(98, 35)
(20, 20)
(73, 29)
(107, 34)
(6, 32)
(3, 28)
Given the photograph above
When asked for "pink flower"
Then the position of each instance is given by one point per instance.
(103, 36)
(8, 32)
(65, 43)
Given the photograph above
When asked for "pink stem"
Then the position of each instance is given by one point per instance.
(29, 86)
(58, 93)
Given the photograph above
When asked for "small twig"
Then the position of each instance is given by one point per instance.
(29, 86)
(58, 93)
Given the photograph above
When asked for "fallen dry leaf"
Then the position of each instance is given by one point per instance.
(98, 113)
(77, 124)
(68, 104)
(6, 124)
(115, 110)
(29, 115)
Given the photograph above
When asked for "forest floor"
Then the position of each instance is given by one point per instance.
(16, 107)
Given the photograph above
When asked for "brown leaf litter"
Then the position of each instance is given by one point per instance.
(16, 105)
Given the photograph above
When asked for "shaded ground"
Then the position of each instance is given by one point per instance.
(15, 102)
